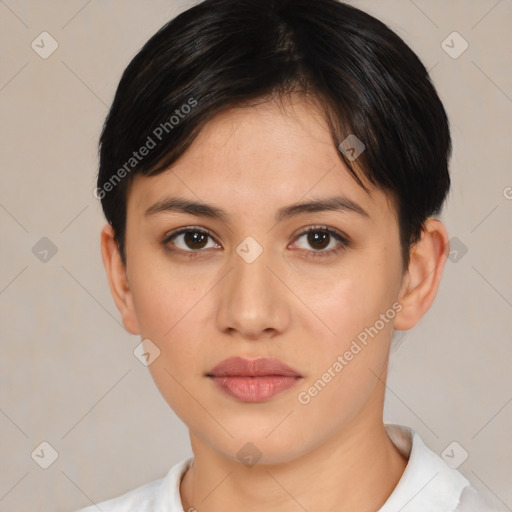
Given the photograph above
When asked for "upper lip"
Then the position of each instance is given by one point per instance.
(240, 367)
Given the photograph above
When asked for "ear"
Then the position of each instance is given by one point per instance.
(118, 280)
(421, 281)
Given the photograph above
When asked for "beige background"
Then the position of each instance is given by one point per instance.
(67, 372)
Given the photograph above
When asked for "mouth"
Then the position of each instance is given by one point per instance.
(255, 380)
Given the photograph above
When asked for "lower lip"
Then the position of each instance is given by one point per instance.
(255, 389)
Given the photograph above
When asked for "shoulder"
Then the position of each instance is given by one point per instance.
(141, 499)
(161, 495)
(429, 483)
(472, 501)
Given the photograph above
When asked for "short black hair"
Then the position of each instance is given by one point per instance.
(221, 54)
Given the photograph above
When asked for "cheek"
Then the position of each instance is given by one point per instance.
(345, 364)
(172, 309)
(171, 314)
(354, 307)
(163, 295)
(350, 299)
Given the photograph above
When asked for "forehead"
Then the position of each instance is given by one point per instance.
(260, 158)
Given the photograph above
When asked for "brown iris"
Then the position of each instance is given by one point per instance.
(316, 238)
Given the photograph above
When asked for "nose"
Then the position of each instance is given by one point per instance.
(252, 301)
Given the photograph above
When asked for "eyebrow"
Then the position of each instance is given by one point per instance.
(180, 205)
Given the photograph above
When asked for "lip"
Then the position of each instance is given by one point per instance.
(253, 380)
(262, 367)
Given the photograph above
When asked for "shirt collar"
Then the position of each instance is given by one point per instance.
(168, 497)
(428, 483)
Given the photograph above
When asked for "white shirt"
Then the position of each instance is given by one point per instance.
(428, 484)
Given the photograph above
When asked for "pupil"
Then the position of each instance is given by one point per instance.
(318, 237)
(195, 240)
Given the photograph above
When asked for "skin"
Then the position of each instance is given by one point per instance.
(332, 453)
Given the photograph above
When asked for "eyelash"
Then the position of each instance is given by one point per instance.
(312, 254)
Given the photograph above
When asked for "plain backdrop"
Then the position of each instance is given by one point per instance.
(68, 376)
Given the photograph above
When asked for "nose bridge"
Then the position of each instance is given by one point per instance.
(251, 300)
(251, 279)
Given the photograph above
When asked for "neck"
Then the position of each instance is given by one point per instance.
(357, 469)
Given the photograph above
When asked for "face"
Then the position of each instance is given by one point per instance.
(256, 278)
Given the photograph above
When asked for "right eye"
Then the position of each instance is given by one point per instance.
(190, 239)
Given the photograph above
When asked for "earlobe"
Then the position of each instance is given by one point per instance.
(421, 281)
(117, 279)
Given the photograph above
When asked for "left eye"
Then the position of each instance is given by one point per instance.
(323, 239)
